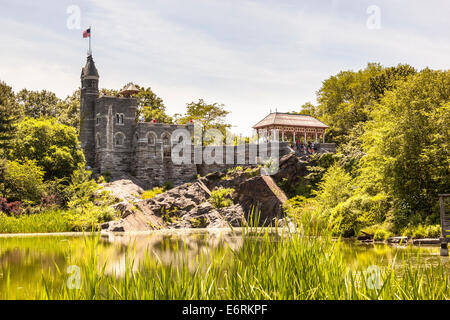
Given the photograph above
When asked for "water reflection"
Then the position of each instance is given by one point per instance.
(24, 260)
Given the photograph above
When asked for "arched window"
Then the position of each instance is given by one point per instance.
(98, 141)
(151, 138)
(165, 139)
(119, 139)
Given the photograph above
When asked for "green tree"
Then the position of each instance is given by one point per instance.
(69, 110)
(54, 146)
(151, 106)
(407, 143)
(8, 116)
(37, 104)
(210, 115)
(349, 97)
(307, 108)
(387, 79)
(335, 187)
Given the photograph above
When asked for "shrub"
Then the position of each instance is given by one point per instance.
(420, 232)
(252, 172)
(55, 193)
(167, 185)
(200, 222)
(220, 197)
(235, 170)
(23, 181)
(107, 176)
(296, 202)
(326, 160)
(10, 208)
(298, 188)
(434, 231)
(359, 211)
(381, 235)
(148, 194)
(88, 203)
(88, 216)
(55, 147)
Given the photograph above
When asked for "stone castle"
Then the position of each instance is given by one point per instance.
(114, 142)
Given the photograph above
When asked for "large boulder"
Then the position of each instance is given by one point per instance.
(136, 221)
(206, 216)
(261, 196)
(180, 200)
(187, 205)
(124, 190)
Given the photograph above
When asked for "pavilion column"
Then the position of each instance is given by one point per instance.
(316, 137)
(282, 135)
(305, 136)
(323, 136)
(293, 139)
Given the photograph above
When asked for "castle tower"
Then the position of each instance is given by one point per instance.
(89, 96)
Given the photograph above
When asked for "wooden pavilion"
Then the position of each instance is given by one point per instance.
(304, 127)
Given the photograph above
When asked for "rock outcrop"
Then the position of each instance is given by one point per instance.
(291, 168)
(188, 206)
(261, 196)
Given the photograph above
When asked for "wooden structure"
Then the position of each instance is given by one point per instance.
(445, 224)
(129, 90)
(302, 127)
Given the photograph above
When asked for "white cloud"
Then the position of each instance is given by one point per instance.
(249, 55)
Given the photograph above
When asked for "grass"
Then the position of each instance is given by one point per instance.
(51, 221)
(383, 231)
(220, 197)
(79, 219)
(269, 265)
(148, 194)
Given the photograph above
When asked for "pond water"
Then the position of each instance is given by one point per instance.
(25, 259)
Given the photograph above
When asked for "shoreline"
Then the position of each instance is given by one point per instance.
(190, 231)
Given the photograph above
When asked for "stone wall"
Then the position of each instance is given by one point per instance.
(114, 130)
(242, 156)
(152, 162)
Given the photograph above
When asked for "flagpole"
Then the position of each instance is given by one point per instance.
(90, 35)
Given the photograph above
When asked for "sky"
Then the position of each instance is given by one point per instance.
(251, 56)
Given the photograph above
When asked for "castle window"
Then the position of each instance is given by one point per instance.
(98, 141)
(166, 139)
(166, 144)
(119, 118)
(119, 139)
(151, 138)
(97, 120)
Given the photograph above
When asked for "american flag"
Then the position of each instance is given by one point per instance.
(87, 33)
